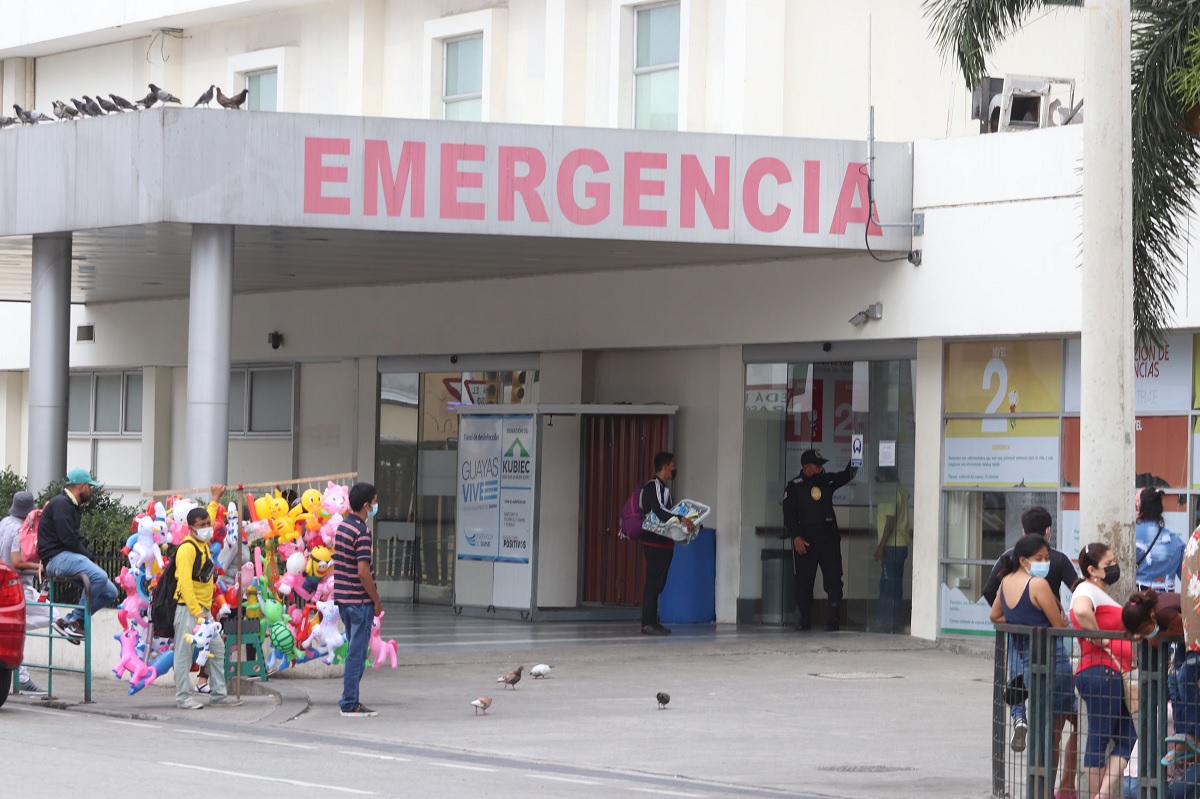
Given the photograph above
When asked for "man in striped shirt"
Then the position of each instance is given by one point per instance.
(355, 593)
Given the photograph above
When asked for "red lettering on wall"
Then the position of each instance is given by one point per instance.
(454, 179)
(410, 174)
(636, 187)
(526, 185)
(812, 196)
(767, 223)
(693, 185)
(852, 205)
(316, 175)
(598, 192)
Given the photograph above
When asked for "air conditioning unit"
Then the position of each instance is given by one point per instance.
(1023, 102)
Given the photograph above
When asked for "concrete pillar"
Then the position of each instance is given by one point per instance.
(560, 382)
(727, 504)
(927, 490)
(364, 89)
(157, 384)
(12, 397)
(49, 353)
(1106, 408)
(210, 334)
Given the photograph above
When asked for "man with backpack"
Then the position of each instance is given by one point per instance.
(658, 550)
(37, 615)
(195, 572)
(64, 553)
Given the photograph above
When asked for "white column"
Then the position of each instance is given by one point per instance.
(49, 353)
(727, 503)
(157, 384)
(364, 89)
(927, 490)
(210, 334)
(1106, 409)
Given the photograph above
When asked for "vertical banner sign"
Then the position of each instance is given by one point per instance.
(856, 451)
(478, 487)
(496, 474)
(516, 488)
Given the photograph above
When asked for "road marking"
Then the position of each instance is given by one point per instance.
(462, 766)
(209, 734)
(284, 780)
(134, 724)
(665, 792)
(37, 710)
(374, 756)
(281, 743)
(560, 779)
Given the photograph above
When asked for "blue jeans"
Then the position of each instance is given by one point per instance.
(1182, 682)
(1015, 666)
(1107, 718)
(891, 587)
(101, 591)
(357, 618)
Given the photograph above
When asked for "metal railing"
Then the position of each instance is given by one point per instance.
(1046, 661)
(48, 633)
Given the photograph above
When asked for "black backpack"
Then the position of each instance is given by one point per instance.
(162, 603)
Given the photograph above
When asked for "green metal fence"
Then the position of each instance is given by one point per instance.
(53, 638)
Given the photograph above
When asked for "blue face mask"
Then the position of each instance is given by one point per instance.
(374, 510)
(1152, 633)
(1040, 569)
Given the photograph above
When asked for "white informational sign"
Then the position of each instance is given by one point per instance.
(960, 615)
(856, 450)
(1163, 376)
(479, 466)
(496, 476)
(887, 453)
(517, 474)
(1030, 461)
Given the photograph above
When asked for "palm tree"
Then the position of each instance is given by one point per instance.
(1164, 152)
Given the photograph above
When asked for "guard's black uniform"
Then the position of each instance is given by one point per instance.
(808, 514)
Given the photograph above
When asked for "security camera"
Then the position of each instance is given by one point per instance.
(275, 339)
(827, 346)
(453, 359)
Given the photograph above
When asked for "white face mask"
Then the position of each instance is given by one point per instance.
(205, 534)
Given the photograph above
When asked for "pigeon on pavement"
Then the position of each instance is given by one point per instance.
(663, 698)
(109, 107)
(162, 94)
(482, 703)
(541, 670)
(82, 107)
(32, 116)
(232, 102)
(93, 106)
(205, 98)
(512, 678)
(121, 102)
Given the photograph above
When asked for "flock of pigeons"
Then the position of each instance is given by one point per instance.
(538, 672)
(99, 106)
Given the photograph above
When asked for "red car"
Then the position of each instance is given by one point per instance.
(12, 627)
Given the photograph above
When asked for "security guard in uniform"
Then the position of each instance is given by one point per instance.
(816, 541)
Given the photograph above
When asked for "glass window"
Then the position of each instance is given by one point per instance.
(108, 403)
(79, 404)
(264, 90)
(656, 68)
(133, 403)
(462, 90)
(237, 401)
(270, 401)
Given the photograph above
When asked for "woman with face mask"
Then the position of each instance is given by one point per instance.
(1158, 618)
(1101, 666)
(1026, 599)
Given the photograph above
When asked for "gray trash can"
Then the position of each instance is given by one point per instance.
(778, 586)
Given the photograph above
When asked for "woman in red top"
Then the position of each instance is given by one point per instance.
(1101, 666)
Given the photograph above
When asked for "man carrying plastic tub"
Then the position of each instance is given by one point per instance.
(812, 524)
(658, 550)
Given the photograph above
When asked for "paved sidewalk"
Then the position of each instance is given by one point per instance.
(840, 715)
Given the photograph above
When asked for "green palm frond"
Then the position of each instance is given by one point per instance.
(1164, 153)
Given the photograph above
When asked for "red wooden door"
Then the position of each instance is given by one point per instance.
(619, 457)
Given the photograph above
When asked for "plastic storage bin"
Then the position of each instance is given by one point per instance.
(691, 595)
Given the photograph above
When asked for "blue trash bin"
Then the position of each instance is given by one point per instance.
(691, 595)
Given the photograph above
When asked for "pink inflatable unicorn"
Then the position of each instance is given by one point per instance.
(129, 658)
(381, 650)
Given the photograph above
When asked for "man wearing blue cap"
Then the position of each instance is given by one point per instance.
(65, 554)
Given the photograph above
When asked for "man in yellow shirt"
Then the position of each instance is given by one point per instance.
(194, 572)
(894, 530)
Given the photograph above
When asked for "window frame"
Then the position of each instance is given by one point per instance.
(93, 379)
(246, 76)
(676, 66)
(448, 98)
(280, 59)
(244, 433)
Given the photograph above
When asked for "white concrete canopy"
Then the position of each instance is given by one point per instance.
(332, 200)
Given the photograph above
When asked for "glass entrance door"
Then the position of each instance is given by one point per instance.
(791, 408)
